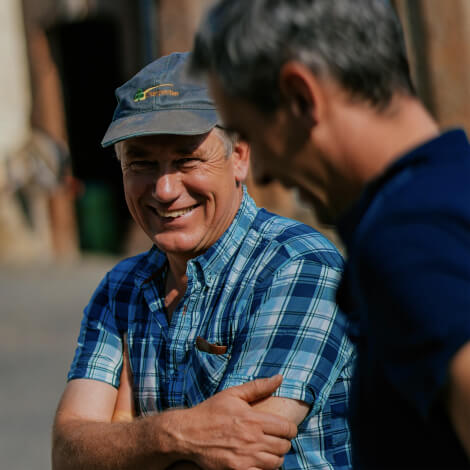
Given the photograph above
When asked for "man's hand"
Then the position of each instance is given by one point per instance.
(459, 395)
(225, 432)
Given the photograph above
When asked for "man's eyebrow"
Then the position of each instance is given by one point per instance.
(188, 148)
(190, 145)
(135, 149)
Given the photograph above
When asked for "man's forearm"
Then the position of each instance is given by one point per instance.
(223, 432)
(145, 443)
(458, 398)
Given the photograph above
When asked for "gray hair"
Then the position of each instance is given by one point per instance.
(228, 137)
(358, 43)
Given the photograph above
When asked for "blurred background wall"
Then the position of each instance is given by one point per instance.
(60, 193)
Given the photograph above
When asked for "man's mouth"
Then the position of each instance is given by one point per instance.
(176, 213)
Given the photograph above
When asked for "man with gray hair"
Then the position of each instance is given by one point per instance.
(322, 92)
(194, 333)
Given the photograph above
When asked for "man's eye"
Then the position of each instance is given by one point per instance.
(137, 165)
(186, 162)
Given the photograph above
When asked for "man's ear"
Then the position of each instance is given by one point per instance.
(302, 93)
(241, 160)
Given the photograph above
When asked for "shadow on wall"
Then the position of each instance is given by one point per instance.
(86, 54)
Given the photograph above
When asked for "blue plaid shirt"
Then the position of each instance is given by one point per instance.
(266, 290)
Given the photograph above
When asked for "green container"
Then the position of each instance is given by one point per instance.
(97, 219)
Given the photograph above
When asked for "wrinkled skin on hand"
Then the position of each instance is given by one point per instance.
(226, 433)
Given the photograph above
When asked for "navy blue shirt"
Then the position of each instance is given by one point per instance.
(406, 289)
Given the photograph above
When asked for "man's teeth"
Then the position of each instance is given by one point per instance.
(174, 214)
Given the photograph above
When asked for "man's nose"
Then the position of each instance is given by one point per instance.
(167, 187)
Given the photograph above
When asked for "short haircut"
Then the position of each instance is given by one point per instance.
(358, 43)
(229, 139)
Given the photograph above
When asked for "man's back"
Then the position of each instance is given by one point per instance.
(407, 283)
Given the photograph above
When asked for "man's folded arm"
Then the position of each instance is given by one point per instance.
(293, 410)
(84, 437)
(459, 395)
(222, 432)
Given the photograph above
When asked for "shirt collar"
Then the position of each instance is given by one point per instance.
(452, 142)
(152, 265)
(216, 259)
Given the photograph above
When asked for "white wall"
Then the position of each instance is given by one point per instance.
(15, 98)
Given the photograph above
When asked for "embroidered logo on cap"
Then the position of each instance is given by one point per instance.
(158, 90)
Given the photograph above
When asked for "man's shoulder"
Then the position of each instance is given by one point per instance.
(294, 240)
(432, 178)
(129, 269)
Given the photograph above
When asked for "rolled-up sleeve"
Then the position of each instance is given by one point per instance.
(99, 351)
(294, 328)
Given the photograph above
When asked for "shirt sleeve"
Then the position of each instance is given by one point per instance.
(414, 273)
(99, 351)
(294, 328)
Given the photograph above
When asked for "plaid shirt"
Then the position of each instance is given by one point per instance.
(266, 291)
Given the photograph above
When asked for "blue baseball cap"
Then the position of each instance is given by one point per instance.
(163, 98)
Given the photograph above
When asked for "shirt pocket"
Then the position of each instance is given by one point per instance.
(203, 375)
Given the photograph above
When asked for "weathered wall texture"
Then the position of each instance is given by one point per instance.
(448, 40)
(438, 39)
(17, 240)
(14, 84)
(178, 20)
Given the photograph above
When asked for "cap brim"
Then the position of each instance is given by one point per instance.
(172, 121)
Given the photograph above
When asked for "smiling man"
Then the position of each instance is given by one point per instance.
(213, 313)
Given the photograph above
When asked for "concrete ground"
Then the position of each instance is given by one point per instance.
(40, 313)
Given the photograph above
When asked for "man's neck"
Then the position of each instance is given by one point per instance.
(388, 136)
(175, 285)
(371, 141)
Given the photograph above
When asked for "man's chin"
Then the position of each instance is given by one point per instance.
(177, 246)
